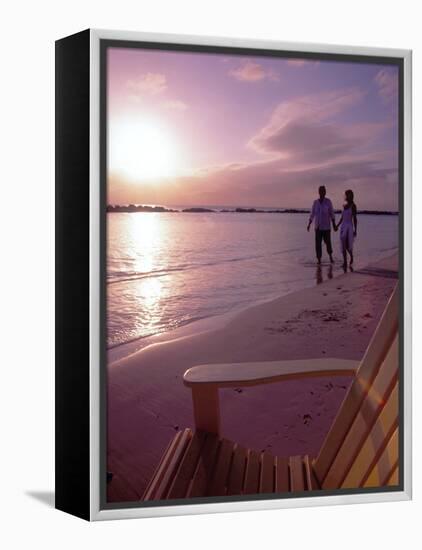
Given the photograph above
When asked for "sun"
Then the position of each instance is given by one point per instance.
(143, 150)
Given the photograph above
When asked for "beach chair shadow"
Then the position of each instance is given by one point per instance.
(361, 448)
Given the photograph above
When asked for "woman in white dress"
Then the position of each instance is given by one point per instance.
(349, 225)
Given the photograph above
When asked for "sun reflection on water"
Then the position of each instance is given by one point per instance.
(146, 233)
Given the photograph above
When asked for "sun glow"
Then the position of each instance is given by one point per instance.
(143, 149)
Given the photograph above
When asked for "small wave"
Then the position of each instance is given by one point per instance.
(158, 331)
(136, 276)
(395, 247)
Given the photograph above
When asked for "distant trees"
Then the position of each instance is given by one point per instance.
(239, 210)
(137, 208)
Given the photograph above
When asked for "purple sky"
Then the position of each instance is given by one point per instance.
(208, 129)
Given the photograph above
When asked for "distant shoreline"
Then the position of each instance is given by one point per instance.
(134, 208)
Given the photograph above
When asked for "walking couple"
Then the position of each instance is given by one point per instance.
(322, 213)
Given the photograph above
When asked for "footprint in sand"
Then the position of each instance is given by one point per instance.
(307, 419)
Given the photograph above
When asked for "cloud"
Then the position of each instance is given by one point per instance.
(154, 84)
(175, 104)
(306, 146)
(149, 83)
(388, 84)
(249, 71)
(372, 177)
(296, 62)
(301, 62)
(304, 130)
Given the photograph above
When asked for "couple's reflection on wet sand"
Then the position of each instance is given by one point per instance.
(322, 274)
(327, 273)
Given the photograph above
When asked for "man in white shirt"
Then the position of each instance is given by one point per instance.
(322, 213)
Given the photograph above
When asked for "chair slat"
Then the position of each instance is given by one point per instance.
(394, 478)
(179, 487)
(205, 468)
(167, 468)
(386, 464)
(282, 475)
(374, 443)
(364, 420)
(310, 479)
(252, 473)
(266, 478)
(297, 480)
(161, 467)
(237, 471)
(371, 362)
(218, 484)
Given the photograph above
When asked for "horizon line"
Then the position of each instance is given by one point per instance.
(216, 206)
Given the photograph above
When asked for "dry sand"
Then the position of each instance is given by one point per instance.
(147, 401)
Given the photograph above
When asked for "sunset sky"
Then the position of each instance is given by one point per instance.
(208, 129)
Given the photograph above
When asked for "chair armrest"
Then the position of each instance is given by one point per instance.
(266, 372)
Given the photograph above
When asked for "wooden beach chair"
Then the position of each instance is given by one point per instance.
(360, 449)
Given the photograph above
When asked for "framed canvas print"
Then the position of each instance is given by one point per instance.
(233, 274)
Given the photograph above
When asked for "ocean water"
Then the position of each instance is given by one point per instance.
(166, 270)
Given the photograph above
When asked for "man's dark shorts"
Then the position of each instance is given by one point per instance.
(322, 235)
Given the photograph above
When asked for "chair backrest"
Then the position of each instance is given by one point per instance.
(361, 448)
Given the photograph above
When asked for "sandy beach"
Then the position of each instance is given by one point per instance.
(147, 401)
